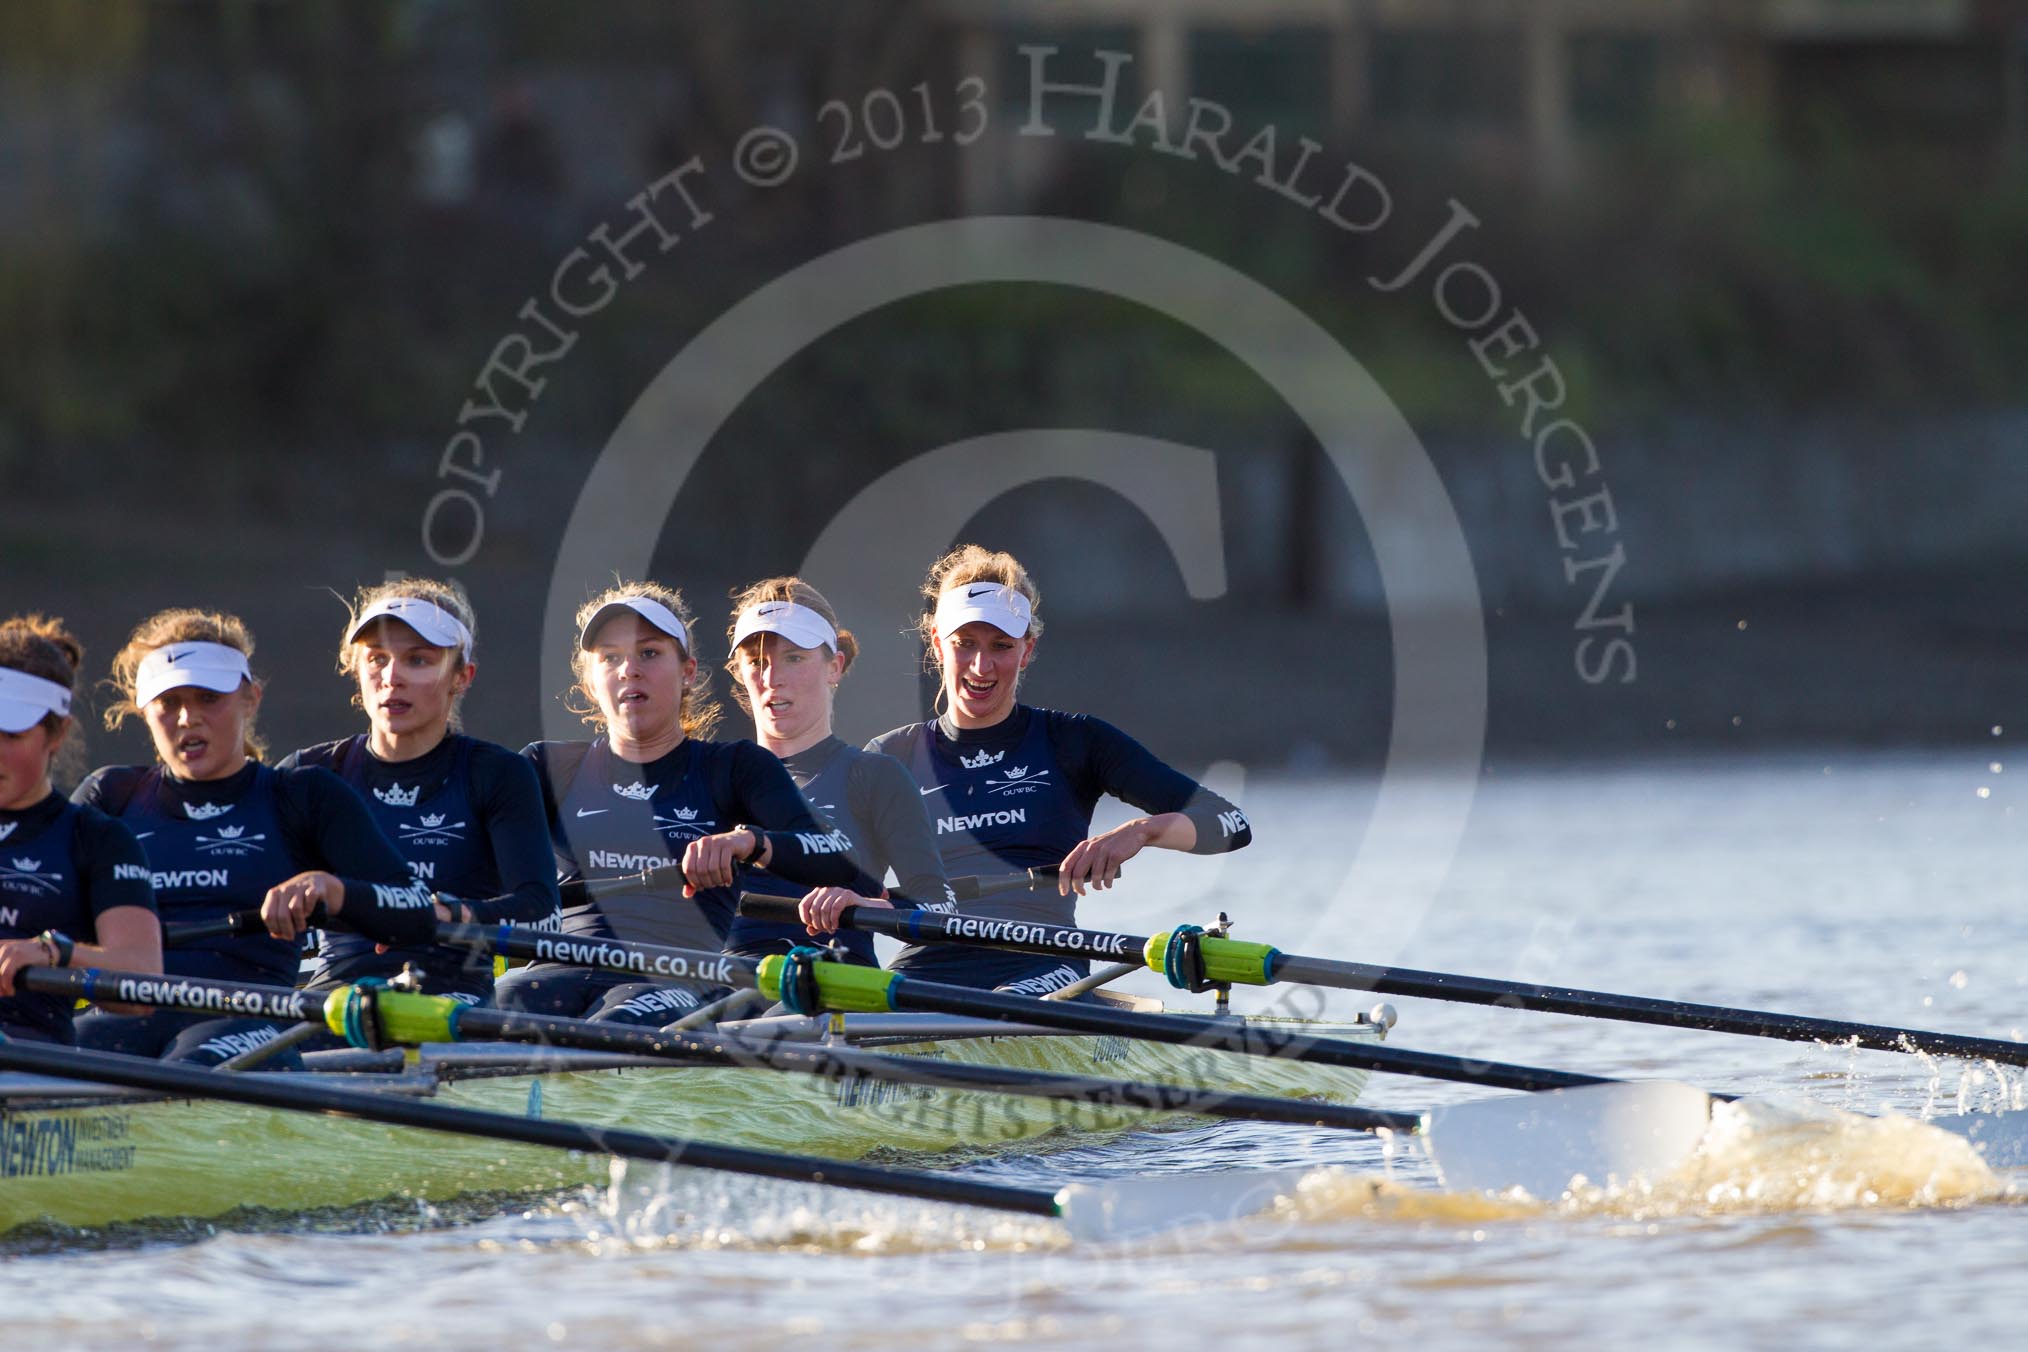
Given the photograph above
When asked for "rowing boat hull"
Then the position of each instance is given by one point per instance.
(81, 1161)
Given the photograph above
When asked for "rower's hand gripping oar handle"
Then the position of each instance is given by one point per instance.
(967, 887)
(787, 911)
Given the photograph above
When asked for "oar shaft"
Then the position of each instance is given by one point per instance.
(696, 966)
(1479, 990)
(910, 993)
(196, 995)
(839, 1063)
(1022, 936)
(301, 1094)
(1071, 942)
(276, 1002)
(1247, 1039)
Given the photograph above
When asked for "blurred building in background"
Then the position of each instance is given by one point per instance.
(1773, 244)
(1528, 87)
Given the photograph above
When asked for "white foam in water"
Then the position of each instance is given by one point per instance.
(1769, 1155)
(1788, 1154)
(659, 1205)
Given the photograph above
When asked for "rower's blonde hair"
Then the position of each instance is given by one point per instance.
(180, 625)
(698, 713)
(40, 645)
(963, 565)
(781, 589)
(446, 595)
(967, 564)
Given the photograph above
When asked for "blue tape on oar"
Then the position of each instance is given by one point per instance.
(1183, 959)
(800, 994)
(362, 1017)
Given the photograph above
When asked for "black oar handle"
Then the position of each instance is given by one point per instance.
(1062, 941)
(236, 924)
(656, 879)
(973, 887)
(787, 910)
(226, 927)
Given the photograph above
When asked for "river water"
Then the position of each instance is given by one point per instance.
(1882, 889)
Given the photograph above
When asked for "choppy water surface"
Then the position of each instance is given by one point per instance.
(1884, 890)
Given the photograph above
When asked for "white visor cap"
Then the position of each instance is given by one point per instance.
(26, 700)
(647, 607)
(431, 622)
(798, 624)
(999, 605)
(211, 666)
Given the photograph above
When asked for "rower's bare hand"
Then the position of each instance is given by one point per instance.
(16, 954)
(286, 908)
(821, 907)
(709, 861)
(1095, 864)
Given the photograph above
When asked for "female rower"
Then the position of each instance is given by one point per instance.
(1012, 787)
(225, 833)
(788, 656)
(466, 814)
(67, 870)
(649, 792)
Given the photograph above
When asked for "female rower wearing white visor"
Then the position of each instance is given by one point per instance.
(649, 792)
(1012, 787)
(74, 888)
(225, 833)
(788, 656)
(466, 814)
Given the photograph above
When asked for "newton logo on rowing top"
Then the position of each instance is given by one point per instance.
(876, 544)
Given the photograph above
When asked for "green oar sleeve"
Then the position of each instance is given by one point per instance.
(406, 1019)
(1229, 962)
(842, 987)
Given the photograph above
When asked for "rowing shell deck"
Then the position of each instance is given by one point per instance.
(78, 1157)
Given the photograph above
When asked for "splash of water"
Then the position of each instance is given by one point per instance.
(659, 1206)
(1780, 1154)
(1766, 1155)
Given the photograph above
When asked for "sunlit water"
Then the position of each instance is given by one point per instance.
(1883, 890)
